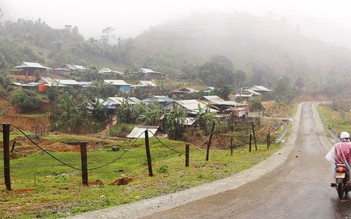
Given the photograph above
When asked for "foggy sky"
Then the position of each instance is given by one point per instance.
(326, 20)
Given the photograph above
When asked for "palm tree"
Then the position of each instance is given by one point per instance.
(205, 116)
(124, 111)
(173, 123)
(128, 112)
(71, 113)
(151, 115)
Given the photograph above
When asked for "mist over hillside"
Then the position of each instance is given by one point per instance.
(264, 48)
(256, 45)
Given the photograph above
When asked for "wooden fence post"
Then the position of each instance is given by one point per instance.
(254, 135)
(84, 160)
(13, 146)
(148, 155)
(231, 146)
(6, 142)
(209, 143)
(187, 152)
(250, 142)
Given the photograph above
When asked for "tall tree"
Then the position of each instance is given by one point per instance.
(218, 72)
(105, 38)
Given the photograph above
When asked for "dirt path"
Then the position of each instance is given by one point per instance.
(109, 126)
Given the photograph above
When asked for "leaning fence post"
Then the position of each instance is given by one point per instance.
(84, 159)
(254, 135)
(209, 142)
(13, 146)
(6, 142)
(250, 142)
(148, 155)
(268, 140)
(187, 151)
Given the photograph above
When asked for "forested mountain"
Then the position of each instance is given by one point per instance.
(35, 41)
(257, 50)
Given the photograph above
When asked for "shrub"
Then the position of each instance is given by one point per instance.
(163, 169)
(255, 104)
(25, 100)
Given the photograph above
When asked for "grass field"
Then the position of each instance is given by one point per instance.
(44, 188)
(333, 119)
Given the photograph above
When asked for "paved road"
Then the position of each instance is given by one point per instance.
(298, 189)
(298, 186)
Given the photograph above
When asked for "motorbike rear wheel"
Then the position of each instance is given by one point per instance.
(341, 190)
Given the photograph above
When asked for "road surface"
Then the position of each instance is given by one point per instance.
(298, 186)
(298, 189)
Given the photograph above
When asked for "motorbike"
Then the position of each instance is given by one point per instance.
(343, 184)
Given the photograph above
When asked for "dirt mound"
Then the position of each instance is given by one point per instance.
(35, 123)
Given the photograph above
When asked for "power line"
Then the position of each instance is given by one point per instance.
(308, 20)
(66, 164)
(120, 156)
(233, 26)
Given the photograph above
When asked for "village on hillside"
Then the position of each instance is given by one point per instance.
(40, 79)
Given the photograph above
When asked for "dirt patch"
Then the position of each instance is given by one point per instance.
(96, 183)
(122, 181)
(21, 191)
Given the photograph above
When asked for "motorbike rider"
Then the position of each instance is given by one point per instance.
(340, 153)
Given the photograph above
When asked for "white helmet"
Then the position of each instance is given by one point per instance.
(344, 135)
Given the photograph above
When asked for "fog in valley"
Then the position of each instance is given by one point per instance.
(298, 41)
(326, 20)
(97, 79)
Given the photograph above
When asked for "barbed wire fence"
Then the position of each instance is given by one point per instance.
(71, 166)
(223, 142)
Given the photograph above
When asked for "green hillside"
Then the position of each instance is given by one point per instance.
(35, 41)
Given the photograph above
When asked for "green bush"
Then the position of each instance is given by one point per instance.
(3, 92)
(163, 169)
(25, 100)
(255, 104)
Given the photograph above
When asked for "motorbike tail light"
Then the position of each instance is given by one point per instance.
(341, 169)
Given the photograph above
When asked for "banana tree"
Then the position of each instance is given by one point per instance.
(173, 123)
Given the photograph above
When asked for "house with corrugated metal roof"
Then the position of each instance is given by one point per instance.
(191, 107)
(74, 68)
(266, 93)
(224, 106)
(68, 82)
(109, 72)
(146, 84)
(162, 100)
(61, 72)
(48, 81)
(113, 103)
(150, 74)
(260, 89)
(120, 84)
(182, 91)
(246, 94)
(209, 89)
(30, 68)
(139, 132)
